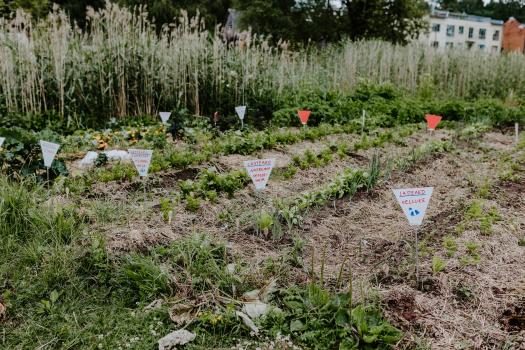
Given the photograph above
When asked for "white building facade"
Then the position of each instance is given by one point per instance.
(459, 30)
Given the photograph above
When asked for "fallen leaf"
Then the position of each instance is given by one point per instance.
(181, 313)
(179, 337)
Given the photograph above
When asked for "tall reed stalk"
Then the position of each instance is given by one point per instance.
(120, 65)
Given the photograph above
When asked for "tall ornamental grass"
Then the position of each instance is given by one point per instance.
(120, 65)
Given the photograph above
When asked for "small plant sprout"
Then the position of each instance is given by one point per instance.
(438, 264)
(264, 223)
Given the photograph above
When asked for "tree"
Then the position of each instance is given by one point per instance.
(396, 21)
(279, 18)
(166, 11)
(37, 8)
(495, 9)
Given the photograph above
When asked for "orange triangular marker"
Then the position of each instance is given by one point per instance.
(304, 115)
(432, 121)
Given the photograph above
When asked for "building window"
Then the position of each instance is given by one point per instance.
(449, 45)
(461, 29)
(450, 30)
(482, 47)
(436, 27)
(471, 33)
(495, 36)
(482, 33)
(435, 44)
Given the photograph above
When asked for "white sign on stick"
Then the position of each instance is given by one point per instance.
(241, 111)
(142, 159)
(414, 202)
(2, 139)
(164, 116)
(49, 151)
(259, 171)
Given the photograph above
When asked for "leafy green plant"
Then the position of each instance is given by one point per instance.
(166, 207)
(316, 319)
(438, 264)
(264, 223)
(475, 211)
(46, 305)
(450, 245)
(102, 160)
(473, 256)
(210, 183)
(192, 204)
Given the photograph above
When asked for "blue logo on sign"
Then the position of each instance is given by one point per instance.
(413, 212)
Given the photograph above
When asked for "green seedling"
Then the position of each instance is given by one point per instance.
(438, 265)
(450, 245)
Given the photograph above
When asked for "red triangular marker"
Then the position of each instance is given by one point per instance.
(432, 121)
(304, 115)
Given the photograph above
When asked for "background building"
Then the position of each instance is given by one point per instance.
(459, 30)
(513, 36)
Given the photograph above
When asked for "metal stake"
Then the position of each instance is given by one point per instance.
(144, 204)
(517, 130)
(47, 173)
(417, 255)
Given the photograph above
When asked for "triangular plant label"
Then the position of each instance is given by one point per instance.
(49, 151)
(2, 139)
(165, 116)
(259, 171)
(142, 159)
(432, 121)
(241, 111)
(414, 202)
(303, 116)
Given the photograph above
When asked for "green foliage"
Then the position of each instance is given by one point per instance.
(438, 264)
(21, 155)
(118, 172)
(321, 21)
(192, 204)
(316, 319)
(210, 183)
(166, 207)
(363, 16)
(200, 265)
(450, 245)
(140, 278)
(472, 257)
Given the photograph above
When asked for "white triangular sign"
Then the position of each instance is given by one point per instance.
(164, 116)
(414, 202)
(241, 111)
(49, 151)
(2, 139)
(142, 159)
(259, 171)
